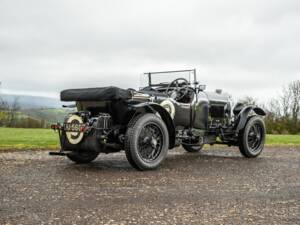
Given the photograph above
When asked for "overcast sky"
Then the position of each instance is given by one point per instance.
(245, 47)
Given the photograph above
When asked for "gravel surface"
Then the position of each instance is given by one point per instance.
(217, 186)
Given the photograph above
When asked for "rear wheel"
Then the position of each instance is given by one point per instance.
(146, 142)
(82, 157)
(252, 137)
(192, 148)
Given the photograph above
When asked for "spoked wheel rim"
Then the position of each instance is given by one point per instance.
(150, 142)
(255, 137)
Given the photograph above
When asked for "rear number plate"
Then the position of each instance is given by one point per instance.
(72, 127)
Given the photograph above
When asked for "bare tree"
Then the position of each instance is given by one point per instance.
(13, 110)
(290, 101)
(274, 107)
(285, 102)
(294, 89)
(4, 110)
(3, 104)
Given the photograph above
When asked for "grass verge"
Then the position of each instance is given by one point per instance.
(18, 138)
(283, 139)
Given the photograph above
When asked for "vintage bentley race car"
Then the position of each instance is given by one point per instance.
(171, 110)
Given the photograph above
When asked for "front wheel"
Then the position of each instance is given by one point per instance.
(82, 157)
(252, 137)
(146, 142)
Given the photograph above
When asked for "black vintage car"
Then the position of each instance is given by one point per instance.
(163, 114)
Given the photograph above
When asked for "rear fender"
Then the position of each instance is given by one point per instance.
(165, 116)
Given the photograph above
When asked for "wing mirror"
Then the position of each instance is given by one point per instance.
(202, 87)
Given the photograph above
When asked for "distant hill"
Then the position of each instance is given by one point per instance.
(48, 115)
(33, 102)
(37, 110)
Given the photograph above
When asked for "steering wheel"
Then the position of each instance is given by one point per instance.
(181, 92)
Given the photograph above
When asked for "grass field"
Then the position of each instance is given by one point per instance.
(283, 139)
(18, 138)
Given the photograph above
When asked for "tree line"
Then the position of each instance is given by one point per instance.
(10, 116)
(283, 111)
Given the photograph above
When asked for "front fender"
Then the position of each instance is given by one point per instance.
(259, 111)
(244, 116)
(151, 107)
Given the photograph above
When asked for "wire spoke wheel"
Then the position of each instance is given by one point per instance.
(146, 142)
(150, 142)
(254, 137)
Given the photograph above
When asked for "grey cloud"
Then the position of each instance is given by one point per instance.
(241, 46)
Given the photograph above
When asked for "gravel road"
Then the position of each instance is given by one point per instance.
(217, 186)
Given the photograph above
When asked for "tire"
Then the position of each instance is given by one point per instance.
(192, 148)
(146, 142)
(252, 137)
(127, 143)
(82, 157)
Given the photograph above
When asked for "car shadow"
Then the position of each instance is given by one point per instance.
(173, 161)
